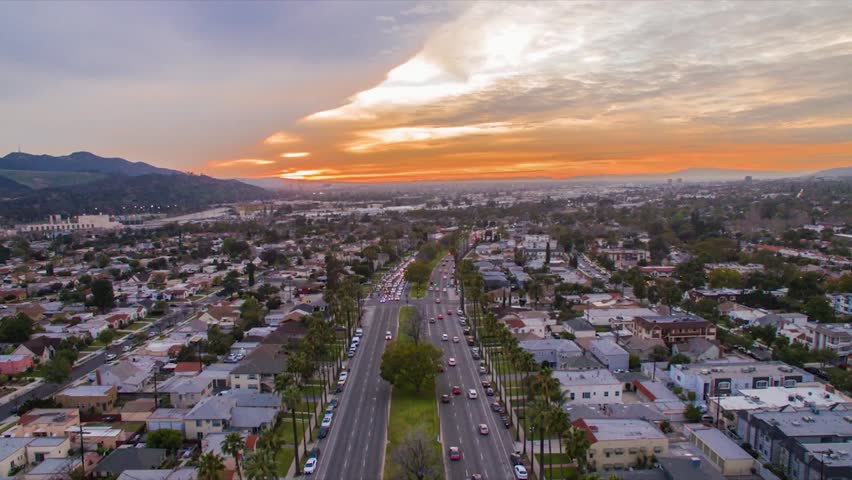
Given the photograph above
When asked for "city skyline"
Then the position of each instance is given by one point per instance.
(400, 91)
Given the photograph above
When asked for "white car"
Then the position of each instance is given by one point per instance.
(359, 332)
(520, 472)
(326, 420)
(451, 362)
(471, 394)
(344, 375)
(311, 466)
(388, 335)
(455, 339)
(445, 337)
(111, 356)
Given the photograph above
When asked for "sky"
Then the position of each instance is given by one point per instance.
(398, 91)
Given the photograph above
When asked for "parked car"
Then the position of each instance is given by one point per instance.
(323, 432)
(515, 458)
(111, 356)
(311, 466)
(388, 335)
(489, 392)
(520, 472)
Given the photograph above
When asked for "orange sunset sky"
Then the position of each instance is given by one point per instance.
(387, 91)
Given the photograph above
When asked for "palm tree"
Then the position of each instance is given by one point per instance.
(292, 396)
(261, 465)
(538, 413)
(209, 466)
(576, 445)
(234, 445)
(558, 422)
(527, 365)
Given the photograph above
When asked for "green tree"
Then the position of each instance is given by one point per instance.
(58, 369)
(692, 413)
(210, 465)
(409, 364)
(107, 336)
(818, 308)
(231, 283)
(166, 438)
(291, 396)
(16, 329)
(102, 294)
(726, 278)
(577, 445)
(418, 272)
(234, 445)
(250, 269)
(261, 465)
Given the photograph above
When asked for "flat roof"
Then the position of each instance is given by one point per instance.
(720, 444)
(777, 397)
(600, 376)
(752, 369)
(87, 391)
(605, 429)
(807, 423)
(840, 454)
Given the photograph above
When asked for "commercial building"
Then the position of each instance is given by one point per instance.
(711, 379)
(803, 398)
(590, 386)
(56, 224)
(624, 258)
(554, 353)
(619, 444)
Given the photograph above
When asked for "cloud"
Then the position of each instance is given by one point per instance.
(279, 138)
(241, 161)
(295, 154)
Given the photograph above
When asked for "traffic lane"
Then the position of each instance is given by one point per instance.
(459, 420)
(346, 449)
(494, 449)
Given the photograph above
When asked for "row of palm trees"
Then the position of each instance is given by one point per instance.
(533, 398)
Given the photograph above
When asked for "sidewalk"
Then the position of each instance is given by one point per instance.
(22, 391)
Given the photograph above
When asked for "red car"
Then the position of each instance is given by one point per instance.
(455, 453)
(456, 390)
(449, 312)
(440, 317)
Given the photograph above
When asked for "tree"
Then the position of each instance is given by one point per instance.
(5, 253)
(261, 465)
(166, 438)
(418, 272)
(692, 413)
(231, 283)
(269, 256)
(107, 336)
(291, 396)
(417, 457)
(234, 445)
(726, 278)
(679, 359)
(818, 308)
(16, 329)
(58, 369)
(209, 466)
(250, 269)
(413, 325)
(577, 445)
(634, 362)
(410, 364)
(102, 294)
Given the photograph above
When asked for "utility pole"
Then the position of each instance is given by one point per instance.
(82, 448)
(156, 397)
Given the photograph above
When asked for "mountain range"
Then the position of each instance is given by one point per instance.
(80, 162)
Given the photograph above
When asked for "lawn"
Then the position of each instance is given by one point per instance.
(566, 473)
(410, 411)
(555, 458)
(406, 313)
(283, 460)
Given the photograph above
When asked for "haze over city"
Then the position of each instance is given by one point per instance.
(398, 91)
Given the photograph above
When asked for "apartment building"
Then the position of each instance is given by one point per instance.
(590, 386)
(624, 258)
(88, 398)
(619, 444)
(672, 329)
(842, 303)
(47, 422)
(833, 336)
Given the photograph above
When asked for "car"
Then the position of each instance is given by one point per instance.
(127, 348)
(506, 421)
(326, 420)
(475, 355)
(471, 394)
(449, 312)
(455, 453)
(463, 323)
(311, 466)
(476, 476)
(323, 432)
(482, 370)
(440, 317)
(520, 472)
(351, 353)
(515, 458)
(460, 312)
(437, 300)
(455, 339)
(111, 356)
(445, 398)
(497, 407)
(483, 429)
(356, 341)
(456, 390)
(445, 337)
(388, 335)
(432, 320)
(618, 370)
(489, 392)
(451, 362)
(359, 332)
(344, 375)
(333, 403)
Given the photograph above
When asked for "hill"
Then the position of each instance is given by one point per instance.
(121, 194)
(36, 179)
(835, 172)
(10, 188)
(80, 162)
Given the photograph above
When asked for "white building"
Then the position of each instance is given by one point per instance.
(710, 379)
(590, 386)
(79, 223)
(842, 303)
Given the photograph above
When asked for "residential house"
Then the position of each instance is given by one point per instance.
(41, 448)
(643, 347)
(698, 349)
(183, 473)
(41, 348)
(123, 459)
(212, 443)
(15, 363)
(99, 436)
(257, 371)
(579, 328)
(610, 354)
(167, 418)
(833, 336)
(47, 422)
(88, 398)
(126, 376)
(186, 392)
(53, 468)
(728, 457)
(553, 353)
(234, 411)
(13, 455)
(620, 444)
(590, 386)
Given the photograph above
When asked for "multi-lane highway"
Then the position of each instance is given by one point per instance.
(355, 446)
(487, 455)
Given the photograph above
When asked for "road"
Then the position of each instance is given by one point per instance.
(355, 446)
(487, 455)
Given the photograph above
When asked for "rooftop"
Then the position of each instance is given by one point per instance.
(88, 391)
(777, 397)
(608, 429)
(751, 368)
(802, 424)
(587, 377)
(834, 454)
(718, 442)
